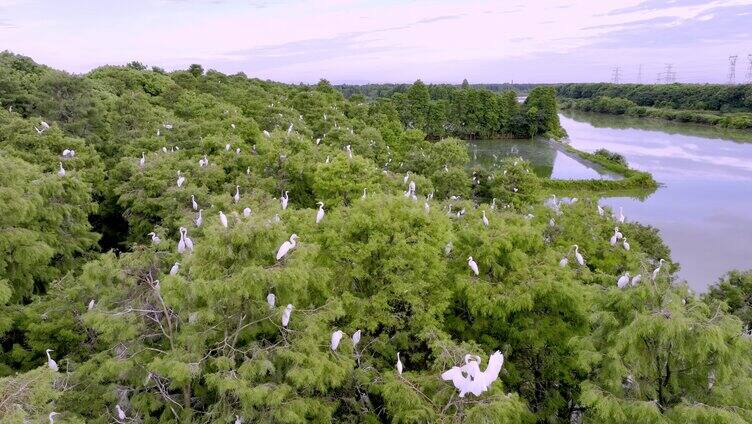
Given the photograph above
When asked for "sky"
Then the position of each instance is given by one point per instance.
(373, 41)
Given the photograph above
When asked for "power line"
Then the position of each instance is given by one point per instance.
(669, 73)
(732, 69)
(616, 76)
(639, 74)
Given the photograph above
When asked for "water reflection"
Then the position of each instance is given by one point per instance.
(704, 209)
(547, 160)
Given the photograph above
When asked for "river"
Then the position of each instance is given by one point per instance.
(703, 208)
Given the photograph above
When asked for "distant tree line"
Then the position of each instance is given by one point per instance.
(712, 97)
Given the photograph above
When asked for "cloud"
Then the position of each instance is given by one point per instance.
(6, 25)
(439, 18)
(656, 5)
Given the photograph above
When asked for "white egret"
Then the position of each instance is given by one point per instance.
(266, 134)
(120, 412)
(286, 315)
(167, 126)
(199, 218)
(600, 210)
(223, 219)
(399, 364)
(181, 242)
(318, 141)
(485, 219)
(237, 151)
(426, 207)
(236, 197)
(164, 149)
(284, 200)
(470, 379)
(194, 204)
(614, 239)
(287, 246)
(327, 160)
(658, 270)
(349, 151)
(66, 153)
(51, 417)
(578, 255)
(276, 218)
(563, 262)
(621, 215)
(551, 222)
(473, 265)
(320, 212)
(618, 233)
(271, 299)
(493, 204)
(623, 281)
(154, 238)
(188, 241)
(181, 179)
(365, 193)
(227, 147)
(238, 420)
(91, 305)
(356, 338)
(142, 161)
(336, 337)
(61, 171)
(625, 244)
(636, 280)
(289, 129)
(248, 170)
(406, 178)
(175, 268)
(448, 248)
(247, 212)
(51, 362)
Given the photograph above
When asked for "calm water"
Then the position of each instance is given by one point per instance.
(547, 160)
(704, 210)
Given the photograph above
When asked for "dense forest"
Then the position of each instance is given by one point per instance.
(199, 247)
(727, 106)
(469, 113)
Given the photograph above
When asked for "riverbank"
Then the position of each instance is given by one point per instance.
(621, 106)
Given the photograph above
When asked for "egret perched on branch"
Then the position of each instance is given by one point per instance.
(287, 246)
(223, 219)
(238, 420)
(625, 244)
(600, 210)
(51, 417)
(356, 338)
(175, 268)
(365, 193)
(266, 134)
(91, 305)
(247, 212)
(578, 255)
(120, 412)
(181, 179)
(636, 279)
(193, 202)
(199, 218)
(426, 207)
(473, 265)
(563, 262)
(658, 270)
(485, 219)
(336, 337)
(227, 147)
(154, 238)
(51, 362)
(448, 248)
(284, 199)
(286, 315)
(61, 171)
(470, 379)
(406, 178)
(271, 299)
(185, 242)
(289, 129)
(320, 212)
(236, 197)
(142, 161)
(621, 215)
(237, 151)
(349, 151)
(623, 281)
(399, 364)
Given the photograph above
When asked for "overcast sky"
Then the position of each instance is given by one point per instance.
(391, 41)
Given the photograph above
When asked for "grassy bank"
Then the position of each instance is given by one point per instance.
(621, 106)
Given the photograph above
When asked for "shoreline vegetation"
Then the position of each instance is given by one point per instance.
(196, 247)
(718, 105)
